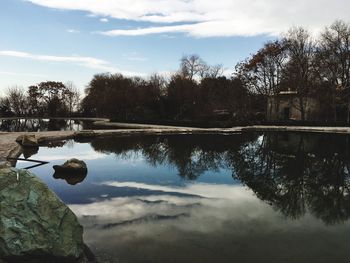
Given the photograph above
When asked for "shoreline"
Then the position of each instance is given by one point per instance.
(9, 148)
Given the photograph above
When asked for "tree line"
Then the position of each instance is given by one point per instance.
(47, 99)
(316, 67)
(197, 91)
(312, 67)
(180, 98)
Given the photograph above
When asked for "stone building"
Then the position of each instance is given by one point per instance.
(286, 106)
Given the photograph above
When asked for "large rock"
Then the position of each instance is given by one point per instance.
(28, 140)
(35, 225)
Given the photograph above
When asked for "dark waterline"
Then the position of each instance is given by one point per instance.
(274, 197)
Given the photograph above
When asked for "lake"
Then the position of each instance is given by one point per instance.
(251, 197)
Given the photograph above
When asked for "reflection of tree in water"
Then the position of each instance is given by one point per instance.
(191, 155)
(31, 125)
(299, 173)
(34, 125)
(329, 189)
(294, 173)
(20, 125)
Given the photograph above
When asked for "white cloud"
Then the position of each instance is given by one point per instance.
(83, 155)
(88, 62)
(212, 18)
(228, 72)
(104, 20)
(199, 189)
(147, 31)
(232, 226)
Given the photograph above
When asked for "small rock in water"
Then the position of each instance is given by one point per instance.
(73, 171)
(72, 165)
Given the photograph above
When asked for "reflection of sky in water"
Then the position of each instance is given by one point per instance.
(103, 167)
(135, 212)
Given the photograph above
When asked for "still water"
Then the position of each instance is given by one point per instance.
(273, 197)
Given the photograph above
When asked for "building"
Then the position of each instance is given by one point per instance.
(287, 106)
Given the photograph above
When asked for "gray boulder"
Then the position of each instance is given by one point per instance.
(35, 225)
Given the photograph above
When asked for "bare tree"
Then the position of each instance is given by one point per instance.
(191, 65)
(72, 96)
(334, 62)
(299, 71)
(262, 72)
(216, 71)
(5, 107)
(211, 71)
(34, 101)
(17, 100)
(159, 82)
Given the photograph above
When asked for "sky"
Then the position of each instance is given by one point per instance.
(71, 40)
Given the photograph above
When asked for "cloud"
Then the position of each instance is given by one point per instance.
(148, 30)
(83, 155)
(228, 223)
(207, 18)
(135, 229)
(199, 189)
(222, 28)
(228, 72)
(104, 20)
(88, 62)
(201, 196)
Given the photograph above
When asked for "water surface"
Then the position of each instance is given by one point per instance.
(274, 197)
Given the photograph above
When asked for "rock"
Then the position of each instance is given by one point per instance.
(19, 139)
(71, 166)
(55, 144)
(73, 171)
(28, 140)
(35, 225)
(3, 164)
(30, 151)
(72, 179)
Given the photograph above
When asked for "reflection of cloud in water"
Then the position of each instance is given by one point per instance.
(222, 224)
(85, 155)
(201, 189)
